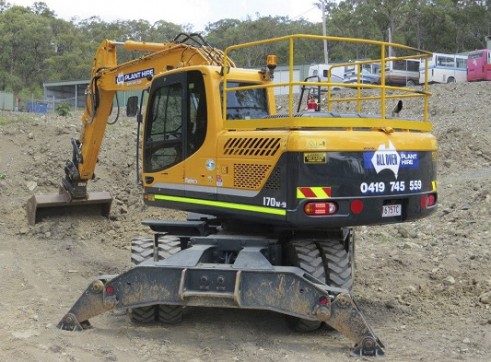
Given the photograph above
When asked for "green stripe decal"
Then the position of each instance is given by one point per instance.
(225, 205)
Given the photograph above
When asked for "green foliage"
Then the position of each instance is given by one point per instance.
(15, 117)
(37, 47)
(2, 176)
(63, 109)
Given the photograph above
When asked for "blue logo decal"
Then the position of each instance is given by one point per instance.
(129, 77)
(387, 158)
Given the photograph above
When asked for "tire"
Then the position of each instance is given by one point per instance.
(168, 246)
(410, 83)
(305, 255)
(142, 249)
(329, 260)
(451, 80)
(337, 264)
(168, 313)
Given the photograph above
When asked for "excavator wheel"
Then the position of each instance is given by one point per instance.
(329, 260)
(338, 262)
(166, 313)
(306, 255)
(143, 249)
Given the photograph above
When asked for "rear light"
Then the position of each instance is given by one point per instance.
(428, 201)
(109, 290)
(320, 208)
(356, 206)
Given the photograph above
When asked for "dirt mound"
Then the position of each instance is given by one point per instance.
(425, 286)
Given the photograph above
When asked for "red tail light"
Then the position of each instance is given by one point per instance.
(356, 206)
(320, 208)
(109, 290)
(428, 201)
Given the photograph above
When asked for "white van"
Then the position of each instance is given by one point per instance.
(321, 70)
(402, 72)
(347, 73)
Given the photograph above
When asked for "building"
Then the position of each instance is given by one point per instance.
(73, 94)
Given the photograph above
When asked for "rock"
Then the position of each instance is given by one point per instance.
(410, 245)
(391, 304)
(25, 334)
(485, 298)
(450, 280)
(31, 185)
(23, 230)
(403, 232)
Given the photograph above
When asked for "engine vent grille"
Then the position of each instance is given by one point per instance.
(249, 176)
(274, 181)
(252, 146)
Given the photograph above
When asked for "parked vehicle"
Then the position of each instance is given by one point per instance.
(369, 72)
(444, 68)
(347, 72)
(402, 72)
(479, 65)
(322, 71)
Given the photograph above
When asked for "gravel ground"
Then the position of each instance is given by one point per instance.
(425, 286)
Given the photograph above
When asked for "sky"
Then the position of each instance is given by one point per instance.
(195, 12)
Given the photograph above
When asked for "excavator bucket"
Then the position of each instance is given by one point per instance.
(42, 206)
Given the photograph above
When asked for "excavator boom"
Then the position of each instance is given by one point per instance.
(107, 78)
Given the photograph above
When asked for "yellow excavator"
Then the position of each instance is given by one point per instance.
(273, 193)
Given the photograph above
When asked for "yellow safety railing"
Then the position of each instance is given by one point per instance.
(364, 93)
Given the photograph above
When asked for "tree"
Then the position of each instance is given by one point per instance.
(25, 43)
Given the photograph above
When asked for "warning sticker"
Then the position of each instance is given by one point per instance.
(314, 157)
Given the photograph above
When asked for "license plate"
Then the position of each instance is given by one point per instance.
(391, 210)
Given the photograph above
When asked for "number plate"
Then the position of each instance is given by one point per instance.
(391, 210)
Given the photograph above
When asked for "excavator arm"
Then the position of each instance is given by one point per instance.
(107, 78)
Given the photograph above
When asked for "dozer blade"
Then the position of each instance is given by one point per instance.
(42, 206)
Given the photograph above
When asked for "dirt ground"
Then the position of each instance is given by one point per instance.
(425, 287)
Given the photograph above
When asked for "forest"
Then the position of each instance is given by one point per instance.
(37, 46)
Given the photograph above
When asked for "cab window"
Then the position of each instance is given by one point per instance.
(163, 141)
(246, 104)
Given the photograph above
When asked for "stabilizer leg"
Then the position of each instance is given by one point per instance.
(92, 303)
(344, 316)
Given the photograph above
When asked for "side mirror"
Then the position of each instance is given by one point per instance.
(132, 106)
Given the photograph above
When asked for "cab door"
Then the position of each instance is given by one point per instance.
(163, 139)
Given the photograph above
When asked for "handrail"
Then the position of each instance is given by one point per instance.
(364, 92)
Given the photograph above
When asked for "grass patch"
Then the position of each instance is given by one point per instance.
(9, 118)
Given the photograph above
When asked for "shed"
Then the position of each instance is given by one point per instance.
(73, 93)
(6, 101)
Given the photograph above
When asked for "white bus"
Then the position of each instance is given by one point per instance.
(444, 68)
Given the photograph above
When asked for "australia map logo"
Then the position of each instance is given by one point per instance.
(386, 158)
